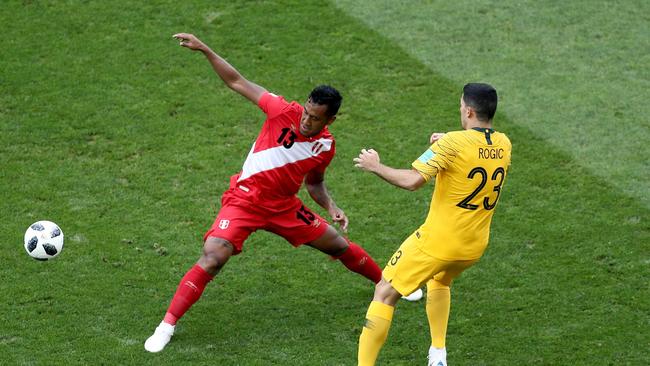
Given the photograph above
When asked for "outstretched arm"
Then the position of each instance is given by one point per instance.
(230, 76)
(409, 179)
(315, 183)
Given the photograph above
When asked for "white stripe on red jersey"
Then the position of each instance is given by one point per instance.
(279, 156)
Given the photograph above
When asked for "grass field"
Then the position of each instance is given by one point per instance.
(127, 141)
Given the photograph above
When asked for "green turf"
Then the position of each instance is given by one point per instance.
(126, 140)
(574, 72)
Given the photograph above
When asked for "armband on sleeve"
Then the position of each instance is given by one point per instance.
(425, 165)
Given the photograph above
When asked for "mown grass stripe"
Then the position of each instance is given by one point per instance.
(126, 141)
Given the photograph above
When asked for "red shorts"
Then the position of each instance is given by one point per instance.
(238, 218)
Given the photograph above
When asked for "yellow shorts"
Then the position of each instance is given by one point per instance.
(410, 268)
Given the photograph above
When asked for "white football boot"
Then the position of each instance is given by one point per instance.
(415, 296)
(159, 338)
(437, 356)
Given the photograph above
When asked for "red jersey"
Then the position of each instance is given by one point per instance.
(281, 157)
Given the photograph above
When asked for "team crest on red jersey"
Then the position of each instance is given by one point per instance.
(223, 224)
(317, 147)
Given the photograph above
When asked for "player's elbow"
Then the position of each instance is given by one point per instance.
(235, 84)
(413, 182)
(235, 81)
(313, 187)
(411, 186)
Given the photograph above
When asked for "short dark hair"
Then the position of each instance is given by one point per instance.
(326, 95)
(482, 98)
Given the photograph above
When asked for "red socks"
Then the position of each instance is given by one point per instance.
(193, 283)
(357, 260)
(188, 292)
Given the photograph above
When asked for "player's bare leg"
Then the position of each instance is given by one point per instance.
(216, 252)
(378, 320)
(350, 254)
(353, 257)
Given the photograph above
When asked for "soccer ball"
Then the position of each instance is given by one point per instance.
(43, 240)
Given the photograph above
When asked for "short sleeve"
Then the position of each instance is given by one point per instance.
(326, 162)
(509, 154)
(272, 104)
(436, 158)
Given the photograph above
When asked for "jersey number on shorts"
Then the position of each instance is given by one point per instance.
(305, 215)
(396, 257)
(499, 174)
(287, 141)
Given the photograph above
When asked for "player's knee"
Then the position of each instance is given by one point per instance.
(386, 293)
(382, 287)
(331, 243)
(216, 253)
(339, 248)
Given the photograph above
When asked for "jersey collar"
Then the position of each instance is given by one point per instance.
(482, 129)
(488, 133)
(302, 137)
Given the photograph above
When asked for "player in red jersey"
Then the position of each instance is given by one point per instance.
(293, 146)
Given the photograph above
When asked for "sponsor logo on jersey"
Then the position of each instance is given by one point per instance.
(223, 224)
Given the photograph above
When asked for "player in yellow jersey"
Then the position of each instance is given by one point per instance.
(469, 167)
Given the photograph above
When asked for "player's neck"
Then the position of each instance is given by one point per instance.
(478, 124)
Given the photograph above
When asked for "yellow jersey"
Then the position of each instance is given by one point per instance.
(470, 167)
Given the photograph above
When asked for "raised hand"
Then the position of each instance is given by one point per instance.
(190, 41)
(435, 137)
(368, 160)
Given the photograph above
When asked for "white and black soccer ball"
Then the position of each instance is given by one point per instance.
(43, 240)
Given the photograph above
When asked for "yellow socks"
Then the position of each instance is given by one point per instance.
(438, 304)
(375, 332)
